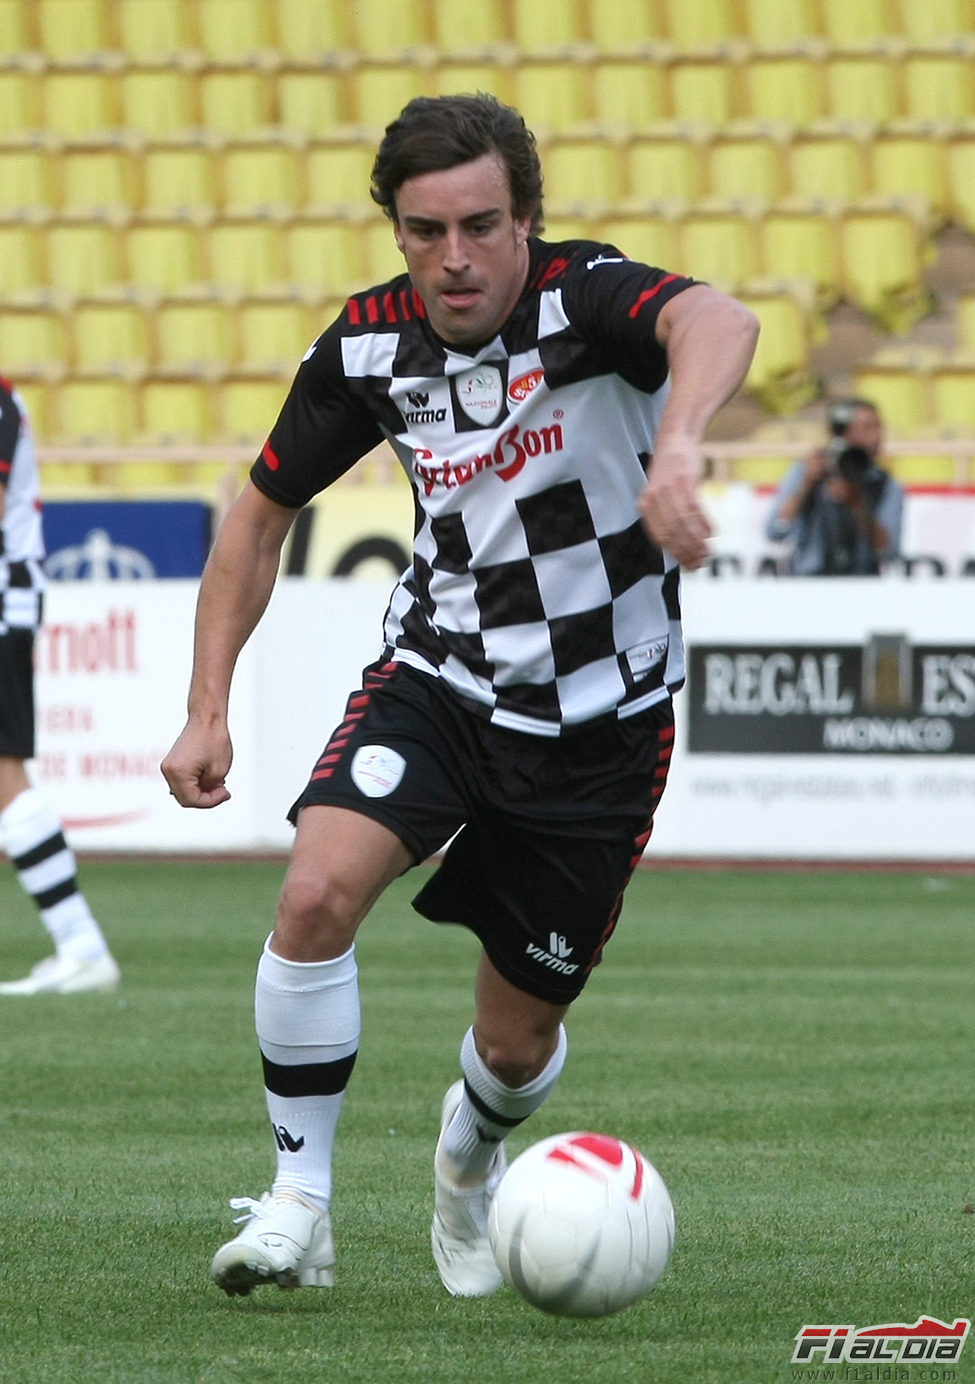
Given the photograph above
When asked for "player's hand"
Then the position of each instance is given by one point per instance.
(670, 507)
(196, 767)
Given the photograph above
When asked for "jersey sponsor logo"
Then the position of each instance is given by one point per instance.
(377, 770)
(519, 389)
(511, 452)
(480, 393)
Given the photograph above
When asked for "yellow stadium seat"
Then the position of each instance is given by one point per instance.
(180, 174)
(539, 26)
(260, 175)
(235, 100)
(158, 101)
(629, 92)
(21, 256)
(665, 161)
(780, 375)
(175, 411)
(246, 408)
(462, 28)
(453, 75)
(18, 26)
(110, 333)
(20, 101)
(163, 253)
(746, 159)
(952, 391)
(845, 24)
(378, 90)
(71, 28)
(719, 243)
(908, 159)
(33, 338)
(570, 228)
(552, 94)
(323, 255)
(84, 254)
(829, 159)
(772, 23)
(338, 173)
(939, 84)
(582, 170)
(306, 31)
(233, 30)
(862, 84)
(310, 101)
(898, 381)
(379, 28)
(693, 26)
(193, 332)
(383, 258)
(274, 333)
(960, 155)
(245, 253)
(965, 319)
(79, 101)
(784, 84)
(622, 29)
(27, 168)
(704, 87)
(883, 258)
(100, 175)
(649, 236)
(150, 31)
(934, 19)
(98, 409)
(799, 240)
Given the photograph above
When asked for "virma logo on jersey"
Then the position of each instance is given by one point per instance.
(886, 697)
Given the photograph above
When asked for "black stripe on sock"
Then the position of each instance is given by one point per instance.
(37, 854)
(311, 1079)
(57, 893)
(487, 1113)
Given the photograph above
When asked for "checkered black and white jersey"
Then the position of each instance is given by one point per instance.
(534, 591)
(22, 550)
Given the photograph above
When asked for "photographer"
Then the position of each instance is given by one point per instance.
(841, 510)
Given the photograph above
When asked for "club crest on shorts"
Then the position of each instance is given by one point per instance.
(376, 770)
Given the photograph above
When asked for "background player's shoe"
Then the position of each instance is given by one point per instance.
(65, 975)
(459, 1233)
(285, 1241)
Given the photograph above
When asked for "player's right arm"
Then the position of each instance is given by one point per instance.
(237, 583)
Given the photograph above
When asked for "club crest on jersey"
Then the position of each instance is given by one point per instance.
(480, 393)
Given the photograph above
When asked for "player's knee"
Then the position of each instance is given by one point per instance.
(316, 914)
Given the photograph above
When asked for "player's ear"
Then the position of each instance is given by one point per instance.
(398, 237)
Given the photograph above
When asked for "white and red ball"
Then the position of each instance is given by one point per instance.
(581, 1225)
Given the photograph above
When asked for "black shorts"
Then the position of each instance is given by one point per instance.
(544, 832)
(17, 693)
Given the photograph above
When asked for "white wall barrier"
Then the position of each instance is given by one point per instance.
(822, 719)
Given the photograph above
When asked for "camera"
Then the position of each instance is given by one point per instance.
(852, 463)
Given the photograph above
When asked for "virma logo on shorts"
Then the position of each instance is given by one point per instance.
(556, 958)
(928, 1341)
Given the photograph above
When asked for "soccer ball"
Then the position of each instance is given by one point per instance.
(581, 1225)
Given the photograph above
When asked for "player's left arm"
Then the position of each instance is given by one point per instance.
(710, 339)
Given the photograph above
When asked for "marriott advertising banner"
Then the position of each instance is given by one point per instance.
(823, 719)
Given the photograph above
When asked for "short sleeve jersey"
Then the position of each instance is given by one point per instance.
(22, 551)
(534, 591)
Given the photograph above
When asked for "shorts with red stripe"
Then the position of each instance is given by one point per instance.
(543, 832)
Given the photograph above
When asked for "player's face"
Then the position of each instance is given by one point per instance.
(466, 251)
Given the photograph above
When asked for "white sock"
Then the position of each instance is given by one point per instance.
(308, 1025)
(32, 836)
(489, 1110)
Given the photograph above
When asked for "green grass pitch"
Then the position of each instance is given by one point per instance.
(793, 1050)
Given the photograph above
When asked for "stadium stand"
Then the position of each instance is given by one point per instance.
(168, 165)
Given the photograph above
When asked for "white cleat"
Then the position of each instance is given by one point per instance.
(65, 975)
(285, 1241)
(459, 1233)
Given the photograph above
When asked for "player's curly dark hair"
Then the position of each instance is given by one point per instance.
(436, 132)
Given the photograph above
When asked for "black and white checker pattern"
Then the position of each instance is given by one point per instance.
(534, 591)
(22, 578)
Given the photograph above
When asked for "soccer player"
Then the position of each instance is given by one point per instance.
(30, 829)
(548, 403)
